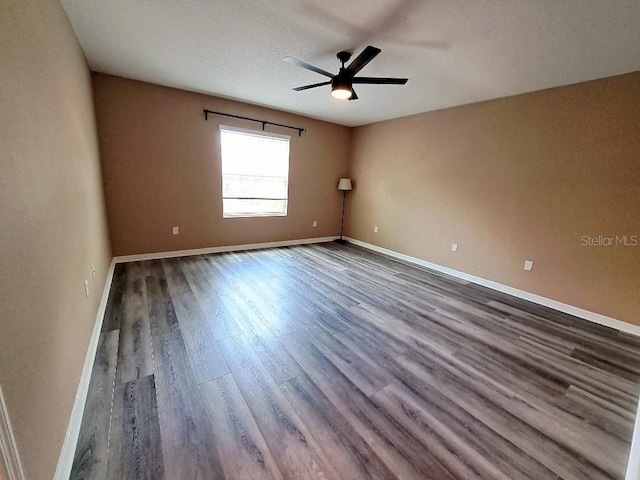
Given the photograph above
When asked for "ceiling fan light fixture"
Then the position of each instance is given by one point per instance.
(341, 87)
(341, 92)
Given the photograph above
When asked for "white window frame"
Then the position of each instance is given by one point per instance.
(254, 133)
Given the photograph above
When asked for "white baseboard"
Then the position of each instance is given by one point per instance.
(532, 297)
(226, 248)
(65, 462)
(10, 465)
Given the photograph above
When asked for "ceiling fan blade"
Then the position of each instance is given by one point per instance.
(380, 80)
(361, 60)
(308, 66)
(307, 87)
(354, 95)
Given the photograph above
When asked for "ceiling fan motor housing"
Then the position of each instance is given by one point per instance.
(342, 79)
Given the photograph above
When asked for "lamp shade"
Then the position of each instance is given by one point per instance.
(344, 184)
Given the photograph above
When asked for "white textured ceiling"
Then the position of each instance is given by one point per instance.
(453, 51)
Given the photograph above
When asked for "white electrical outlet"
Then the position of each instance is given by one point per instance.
(93, 271)
(176, 230)
(454, 247)
(315, 223)
(375, 229)
(86, 288)
(528, 265)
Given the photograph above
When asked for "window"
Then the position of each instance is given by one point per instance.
(255, 173)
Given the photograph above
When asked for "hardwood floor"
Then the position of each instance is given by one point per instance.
(332, 362)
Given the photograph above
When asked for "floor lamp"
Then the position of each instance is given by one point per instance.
(345, 185)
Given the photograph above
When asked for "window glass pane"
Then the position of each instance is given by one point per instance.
(246, 154)
(236, 207)
(239, 186)
(255, 173)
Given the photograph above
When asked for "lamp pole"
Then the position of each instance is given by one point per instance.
(345, 185)
(341, 240)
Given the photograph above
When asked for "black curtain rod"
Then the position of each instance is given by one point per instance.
(263, 122)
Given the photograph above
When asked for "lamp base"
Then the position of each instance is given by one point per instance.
(341, 241)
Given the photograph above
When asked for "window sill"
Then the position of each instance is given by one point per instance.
(253, 215)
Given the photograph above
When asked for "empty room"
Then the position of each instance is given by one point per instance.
(320, 240)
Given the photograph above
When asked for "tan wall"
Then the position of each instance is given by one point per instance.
(53, 225)
(513, 179)
(161, 167)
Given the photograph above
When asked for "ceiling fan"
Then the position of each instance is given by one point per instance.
(342, 82)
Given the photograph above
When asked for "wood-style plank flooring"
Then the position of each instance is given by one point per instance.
(332, 362)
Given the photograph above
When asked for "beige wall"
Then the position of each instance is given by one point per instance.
(161, 167)
(53, 225)
(518, 178)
